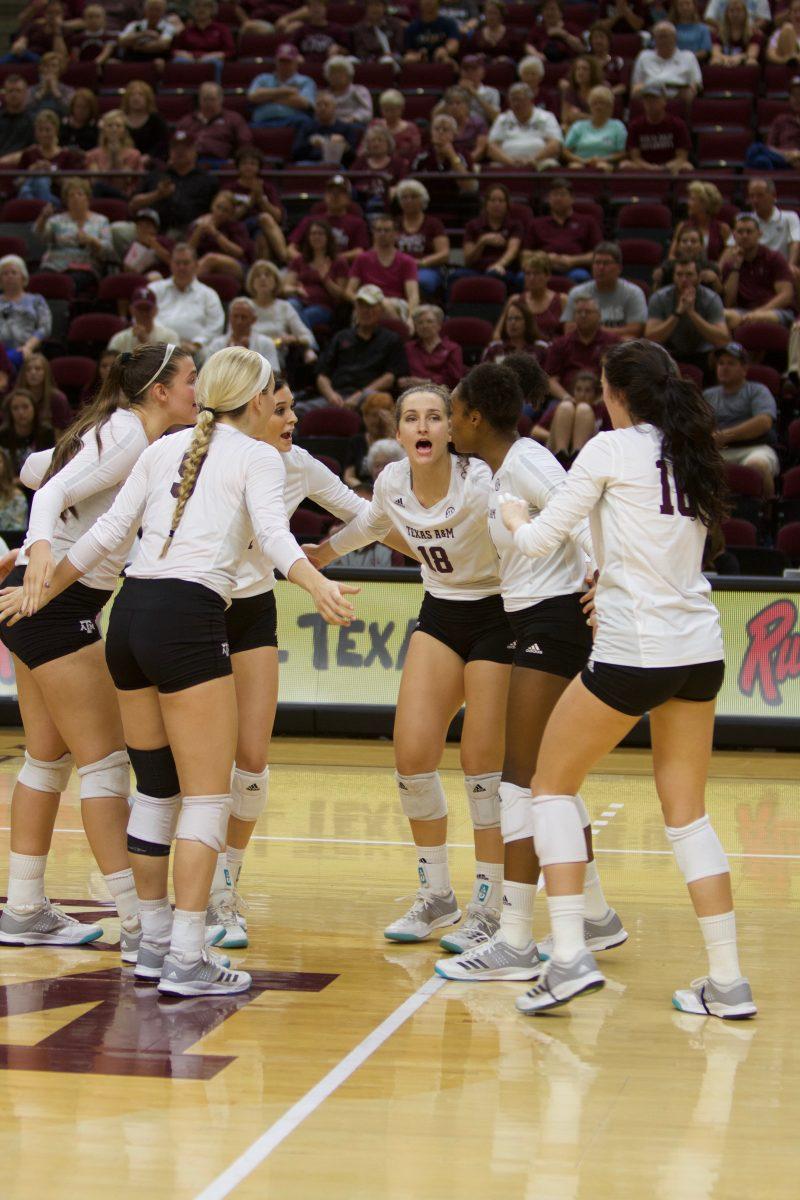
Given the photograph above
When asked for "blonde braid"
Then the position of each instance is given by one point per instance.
(190, 469)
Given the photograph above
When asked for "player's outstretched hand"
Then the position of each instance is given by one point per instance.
(11, 605)
(329, 598)
(7, 563)
(320, 556)
(38, 573)
(514, 513)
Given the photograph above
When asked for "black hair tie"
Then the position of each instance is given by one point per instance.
(125, 357)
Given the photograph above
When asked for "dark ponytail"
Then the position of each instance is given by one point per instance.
(129, 379)
(654, 393)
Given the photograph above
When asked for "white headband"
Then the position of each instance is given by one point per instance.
(167, 356)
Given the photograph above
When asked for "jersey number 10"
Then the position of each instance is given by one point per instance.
(667, 507)
(436, 559)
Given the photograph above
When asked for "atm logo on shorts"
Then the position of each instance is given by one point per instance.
(88, 627)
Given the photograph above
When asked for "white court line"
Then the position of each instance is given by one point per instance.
(271, 1138)
(268, 837)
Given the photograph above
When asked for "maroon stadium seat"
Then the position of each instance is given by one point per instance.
(259, 45)
(731, 81)
(776, 78)
(716, 113)
(560, 283)
(81, 74)
(276, 143)
(427, 75)
(13, 245)
(765, 339)
(240, 74)
(767, 375)
(738, 532)
(94, 329)
(307, 524)
(174, 105)
(640, 257)
(21, 210)
(120, 74)
(73, 373)
(395, 325)
(226, 287)
(330, 422)
(52, 286)
(478, 290)
(792, 433)
(646, 221)
(114, 210)
(187, 75)
(744, 481)
(725, 148)
(692, 373)
(376, 75)
(332, 464)
(788, 542)
(470, 333)
(120, 287)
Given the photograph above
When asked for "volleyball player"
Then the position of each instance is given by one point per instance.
(542, 599)
(652, 486)
(168, 651)
(460, 652)
(66, 697)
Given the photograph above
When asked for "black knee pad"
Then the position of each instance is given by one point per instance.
(155, 771)
(150, 849)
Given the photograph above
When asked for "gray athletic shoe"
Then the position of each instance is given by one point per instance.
(598, 935)
(495, 959)
(705, 998)
(47, 926)
(561, 982)
(223, 923)
(427, 913)
(129, 942)
(480, 925)
(202, 978)
(150, 961)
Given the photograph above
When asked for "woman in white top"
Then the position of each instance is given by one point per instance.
(168, 650)
(651, 488)
(66, 696)
(542, 599)
(460, 652)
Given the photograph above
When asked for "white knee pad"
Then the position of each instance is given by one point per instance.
(516, 812)
(483, 799)
(697, 850)
(583, 814)
(422, 796)
(205, 819)
(43, 776)
(109, 776)
(557, 830)
(249, 793)
(153, 820)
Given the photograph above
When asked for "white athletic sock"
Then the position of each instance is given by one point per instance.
(566, 921)
(595, 901)
(235, 858)
(434, 873)
(516, 913)
(123, 889)
(156, 918)
(222, 880)
(188, 935)
(26, 881)
(488, 887)
(719, 935)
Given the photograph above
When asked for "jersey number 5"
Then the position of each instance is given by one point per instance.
(436, 559)
(667, 507)
(176, 487)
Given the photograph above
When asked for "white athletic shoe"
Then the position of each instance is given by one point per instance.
(705, 998)
(202, 978)
(561, 982)
(427, 913)
(494, 959)
(224, 926)
(46, 926)
(480, 925)
(598, 935)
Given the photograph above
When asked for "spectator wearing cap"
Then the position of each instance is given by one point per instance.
(524, 135)
(316, 279)
(657, 140)
(188, 306)
(283, 96)
(567, 237)
(25, 318)
(317, 37)
(494, 38)
(350, 230)
(745, 414)
(444, 158)
(353, 101)
(379, 36)
(599, 140)
(407, 137)
(16, 123)
(757, 283)
(218, 132)
(222, 243)
(325, 138)
(150, 250)
(179, 193)
(678, 70)
(687, 318)
(431, 357)
(363, 359)
(582, 349)
(144, 329)
(240, 332)
(484, 100)
(150, 38)
(421, 236)
(203, 39)
(431, 37)
(492, 241)
(387, 268)
(149, 130)
(623, 308)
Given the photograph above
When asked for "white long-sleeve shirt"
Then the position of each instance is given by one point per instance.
(238, 496)
(87, 484)
(196, 312)
(531, 473)
(459, 561)
(306, 478)
(652, 601)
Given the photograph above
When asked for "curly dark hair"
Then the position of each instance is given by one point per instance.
(531, 377)
(648, 379)
(494, 391)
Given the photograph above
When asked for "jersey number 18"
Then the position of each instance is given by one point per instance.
(667, 507)
(436, 559)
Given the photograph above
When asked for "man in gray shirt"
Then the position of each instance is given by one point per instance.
(746, 413)
(623, 309)
(686, 318)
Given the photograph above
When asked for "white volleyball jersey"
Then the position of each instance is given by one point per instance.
(459, 561)
(88, 484)
(238, 496)
(306, 478)
(652, 601)
(533, 474)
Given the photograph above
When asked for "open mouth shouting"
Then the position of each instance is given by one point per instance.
(423, 447)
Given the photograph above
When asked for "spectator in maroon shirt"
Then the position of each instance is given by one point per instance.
(221, 243)
(377, 169)
(493, 37)
(203, 39)
(387, 268)
(218, 132)
(41, 35)
(784, 133)
(581, 350)
(492, 242)
(317, 38)
(566, 236)
(625, 16)
(421, 236)
(756, 282)
(316, 280)
(431, 357)
(552, 38)
(657, 141)
(379, 37)
(349, 228)
(95, 42)
(545, 305)
(518, 334)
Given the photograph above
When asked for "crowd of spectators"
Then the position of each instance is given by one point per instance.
(373, 194)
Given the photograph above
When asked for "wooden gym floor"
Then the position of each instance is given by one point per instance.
(352, 1072)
